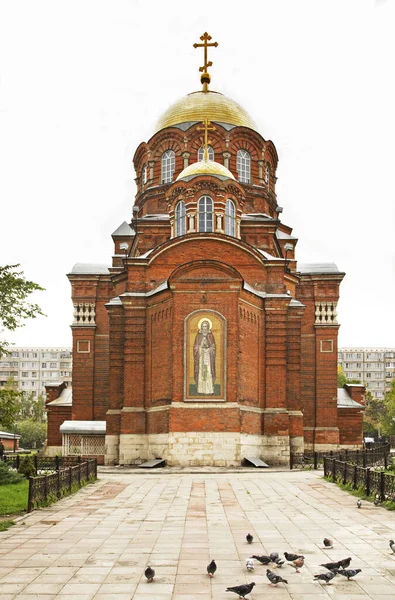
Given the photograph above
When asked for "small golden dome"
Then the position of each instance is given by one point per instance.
(197, 106)
(205, 167)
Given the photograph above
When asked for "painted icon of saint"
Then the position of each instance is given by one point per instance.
(204, 352)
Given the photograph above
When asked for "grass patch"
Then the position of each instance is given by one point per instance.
(4, 525)
(13, 497)
(360, 493)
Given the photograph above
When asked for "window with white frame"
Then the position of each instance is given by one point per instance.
(180, 218)
(53, 365)
(168, 166)
(230, 218)
(267, 175)
(243, 166)
(210, 153)
(144, 174)
(205, 213)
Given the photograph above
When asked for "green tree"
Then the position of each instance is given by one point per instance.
(14, 308)
(10, 404)
(341, 378)
(388, 422)
(374, 414)
(32, 434)
(32, 408)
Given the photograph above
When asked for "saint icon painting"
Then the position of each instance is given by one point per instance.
(205, 356)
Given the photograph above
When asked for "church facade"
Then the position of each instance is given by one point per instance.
(204, 341)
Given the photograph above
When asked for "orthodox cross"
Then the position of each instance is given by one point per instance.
(207, 127)
(205, 77)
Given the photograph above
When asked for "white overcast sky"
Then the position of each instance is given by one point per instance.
(82, 82)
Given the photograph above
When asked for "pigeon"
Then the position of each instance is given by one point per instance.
(279, 562)
(273, 578)
(328, 543)
(392, 546)
(273, 556)
(264, 560)
(327, 577)
(241, 590)
(349, 572)
(211, 568)
(331, 566)
(376, 501)
(343, 564)
(290, 557)
(150, 574)
(359, 503)
(297, 564)
(249, 538)
(250, 564)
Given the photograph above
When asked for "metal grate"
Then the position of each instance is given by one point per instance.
(86, 445)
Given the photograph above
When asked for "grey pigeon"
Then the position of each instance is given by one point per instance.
(359, 503)
(376, 501)
(150, 574)
(250, 564)
(211, 568)
(264, 560)
(273, 556)
(349, 572)
(327, 577)
(273, 578)
(328, 543)
(343, 564)
(392, 546)
(289, 556)
(241, 590)
(279, 562)
(249, 538)
(331, 565)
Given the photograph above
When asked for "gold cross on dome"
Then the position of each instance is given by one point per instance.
(205, 77)
(207, 127)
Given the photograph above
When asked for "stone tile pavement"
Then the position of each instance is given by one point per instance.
(97, 543)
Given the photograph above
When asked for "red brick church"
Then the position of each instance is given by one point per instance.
(204, 341)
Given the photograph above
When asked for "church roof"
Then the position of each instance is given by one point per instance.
(205, 167)
(197, 106)
(344, 400)
(314, 268)
(123, 230)
(65, 398)
(90, 269)
(83, 427)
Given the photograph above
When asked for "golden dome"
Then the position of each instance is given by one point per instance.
(205, 167)
(197, 106)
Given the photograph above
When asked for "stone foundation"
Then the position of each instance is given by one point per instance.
(198, 449)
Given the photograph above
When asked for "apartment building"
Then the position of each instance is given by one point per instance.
(374, 367)
(34, 368)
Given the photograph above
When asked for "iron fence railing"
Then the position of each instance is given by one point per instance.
(43, 464)
(62, 482)
(371, 482)
(378, 456)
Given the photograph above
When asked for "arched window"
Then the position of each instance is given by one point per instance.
(144, 174)
(201, 153)
(168, 165)
(180, 218)
(243, 166)
(267, 175)
(205, 212)
(230, 218)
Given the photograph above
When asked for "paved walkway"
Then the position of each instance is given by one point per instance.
(97, 543)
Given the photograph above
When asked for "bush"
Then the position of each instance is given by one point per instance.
(7, 475)
(27, 467)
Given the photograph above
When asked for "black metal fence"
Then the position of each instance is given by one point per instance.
(43, 464)
(65, 480)
(379, 484)
(378, 456)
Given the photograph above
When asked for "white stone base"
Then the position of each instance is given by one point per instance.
(321, 447)
(197, 448)
(111, 456)
(53, 451)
